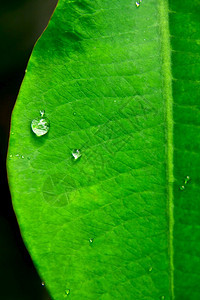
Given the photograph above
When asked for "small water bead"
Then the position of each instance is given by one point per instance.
(187, 178)
(137, 3)
(76, 154)
(182, 187)
(40, 126)
(162, 297)
(42, 113)
(67, 292)
(91, 241)
(150, 269)
(42, 283)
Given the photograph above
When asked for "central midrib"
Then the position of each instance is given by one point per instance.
(167, 90)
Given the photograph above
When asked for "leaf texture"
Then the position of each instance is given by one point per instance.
(121, 84)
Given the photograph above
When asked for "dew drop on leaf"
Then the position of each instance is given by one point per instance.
(67, 292)
(42, 113)
(137, 3)
(76, 154)
(187, 178)
(150, 269)
(42, 283)
(91, 241)
(182, 187)
(40, 126)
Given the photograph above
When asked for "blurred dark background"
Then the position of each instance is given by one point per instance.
(21, 23)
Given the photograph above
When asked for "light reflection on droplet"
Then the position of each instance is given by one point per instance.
(182, 187)
(67, 292)
(76, 154)
(40, 126)
(150, 269)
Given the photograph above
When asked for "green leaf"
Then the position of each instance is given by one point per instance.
(120, 84)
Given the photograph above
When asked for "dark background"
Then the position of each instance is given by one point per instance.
(21, 23)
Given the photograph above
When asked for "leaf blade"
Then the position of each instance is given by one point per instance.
(103, 92)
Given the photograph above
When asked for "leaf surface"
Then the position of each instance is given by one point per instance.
(112, 224)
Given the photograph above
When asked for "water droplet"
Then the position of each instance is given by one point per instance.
(162, 297)
(67, 292)
(150, 269)
(42, 283)
(26, 71)
(17, 155)
(76, 154)
(10, 155)
(91, 241)
(22, 156)
(42, 113)
(182, 187)
(40, 126)
(187, 178)
(74, 113)
(137, 3)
